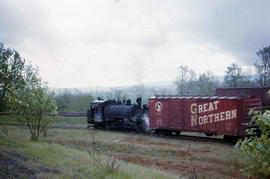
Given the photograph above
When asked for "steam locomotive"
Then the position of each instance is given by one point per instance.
(112, 114)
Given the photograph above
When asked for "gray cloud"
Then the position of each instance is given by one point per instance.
(236, 27)
(128, 36)
(24, 20)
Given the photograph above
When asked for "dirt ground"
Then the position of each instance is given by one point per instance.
(11, 166)
(190, 162)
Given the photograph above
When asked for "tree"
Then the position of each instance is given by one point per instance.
(207, 84)
(234, 76)
(185, 80)
(160, 90)
(139, 90)
(73, 101)
(118, 94)
(11, 69)
(257, 148)
(83, 101)
(64, 101)
(33, 105)
(262, 65)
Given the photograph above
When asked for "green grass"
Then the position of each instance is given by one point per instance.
(58, 120)
(7, 120)
(73, 163)
(212, 160)
(70, 120)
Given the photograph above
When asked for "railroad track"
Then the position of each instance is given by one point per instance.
(201, 138)
(184, 136)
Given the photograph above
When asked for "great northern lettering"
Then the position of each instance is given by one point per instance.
(214, 113)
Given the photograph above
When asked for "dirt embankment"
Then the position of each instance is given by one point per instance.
(12, 166)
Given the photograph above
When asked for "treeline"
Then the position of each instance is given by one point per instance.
(187, 82)
(73, 100)
(68, 101)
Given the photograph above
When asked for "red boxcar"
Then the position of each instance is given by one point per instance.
(208, 114)
(260, 92)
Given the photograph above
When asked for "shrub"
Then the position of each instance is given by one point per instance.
(257, 147)
(32, 105)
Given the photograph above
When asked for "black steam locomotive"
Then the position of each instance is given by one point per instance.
(112, 114)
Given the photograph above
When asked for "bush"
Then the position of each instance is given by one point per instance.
(11, 73)
(257, 147)
(32, 105)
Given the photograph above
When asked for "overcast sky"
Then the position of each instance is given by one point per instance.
(86, 43)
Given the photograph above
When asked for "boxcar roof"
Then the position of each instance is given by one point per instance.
(196, 97)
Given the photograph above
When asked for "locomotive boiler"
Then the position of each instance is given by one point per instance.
(111, 114)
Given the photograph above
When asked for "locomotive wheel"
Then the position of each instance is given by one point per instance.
(95, 125)
(99, 126)
(140, 127)
(138, 130)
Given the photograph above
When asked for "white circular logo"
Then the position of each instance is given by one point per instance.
(158, 106)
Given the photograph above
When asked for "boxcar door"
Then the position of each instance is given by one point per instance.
(175, 114)
(159, 113)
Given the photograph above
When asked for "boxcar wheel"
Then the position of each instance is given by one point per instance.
(232, 139)
(177, 133)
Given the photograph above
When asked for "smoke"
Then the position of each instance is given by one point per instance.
(145, 118)
(137, 69)
(139, 64)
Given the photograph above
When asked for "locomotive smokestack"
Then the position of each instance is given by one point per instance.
(139, 102)
(128, 102)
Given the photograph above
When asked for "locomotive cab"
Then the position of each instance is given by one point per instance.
(95, 113)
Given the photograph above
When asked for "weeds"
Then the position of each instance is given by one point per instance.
(130, 147)
(236, 162)
(107, 166)
(3, 130)
(193, 172)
